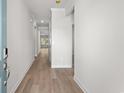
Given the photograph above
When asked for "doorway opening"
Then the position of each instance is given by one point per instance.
(44, 41)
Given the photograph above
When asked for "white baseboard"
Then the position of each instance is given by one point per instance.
(77, 80)
(62, 66)
(19, 81)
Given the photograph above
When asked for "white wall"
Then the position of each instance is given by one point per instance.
(61, 39)
(35, 38)
(20, 42)
(38, 42)
(50, 41)
(69, 7)
(99, 48)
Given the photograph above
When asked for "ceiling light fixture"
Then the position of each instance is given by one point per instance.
(58, 2)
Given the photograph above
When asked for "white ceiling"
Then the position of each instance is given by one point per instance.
(40, 9)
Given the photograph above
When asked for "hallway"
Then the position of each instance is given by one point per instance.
(43, 79)
(87, 35)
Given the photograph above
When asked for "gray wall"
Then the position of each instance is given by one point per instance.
(20, 42)
(99, 48)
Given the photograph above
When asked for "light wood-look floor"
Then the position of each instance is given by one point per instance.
(42, 79)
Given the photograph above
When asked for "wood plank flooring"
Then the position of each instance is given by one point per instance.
(42, 79)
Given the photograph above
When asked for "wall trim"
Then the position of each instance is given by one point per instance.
(57, 9)
(19, 81)
(62, 66)
(77, 80)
